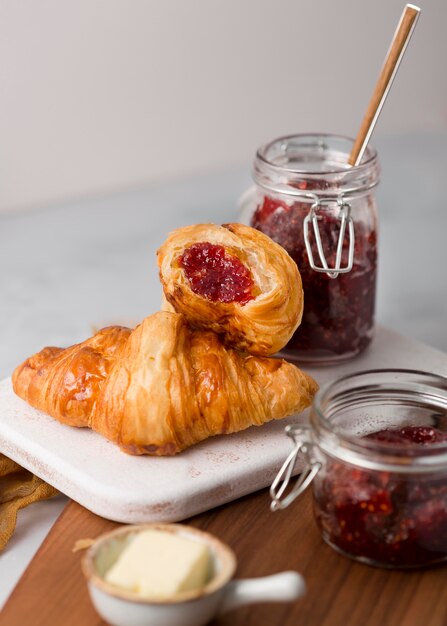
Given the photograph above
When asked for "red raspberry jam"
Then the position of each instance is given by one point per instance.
(217, 275)
(386, 518)
(338, 313)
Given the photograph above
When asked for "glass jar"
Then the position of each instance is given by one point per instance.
(323, 212)
(377, 453)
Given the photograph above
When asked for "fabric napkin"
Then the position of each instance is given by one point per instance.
(18, 488)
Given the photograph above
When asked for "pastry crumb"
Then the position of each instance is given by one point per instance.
(82, 544)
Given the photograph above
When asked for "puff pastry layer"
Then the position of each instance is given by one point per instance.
(262, 325)
(161, 387)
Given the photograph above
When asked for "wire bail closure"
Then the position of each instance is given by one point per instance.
(345, 218)
(284, 475)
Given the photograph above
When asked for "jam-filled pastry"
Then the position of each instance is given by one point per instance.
(234, 280)
(161, 387)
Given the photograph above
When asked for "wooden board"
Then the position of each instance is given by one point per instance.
(95, 473)
(52, 592)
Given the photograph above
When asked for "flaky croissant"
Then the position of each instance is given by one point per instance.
(235, 281)
(161, 387)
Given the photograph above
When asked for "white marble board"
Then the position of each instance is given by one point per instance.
(95, 473)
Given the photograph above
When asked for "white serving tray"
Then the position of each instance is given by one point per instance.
(95, 473)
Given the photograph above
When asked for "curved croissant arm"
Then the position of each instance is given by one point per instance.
(168, 387)
(234, 280)
(66, 383)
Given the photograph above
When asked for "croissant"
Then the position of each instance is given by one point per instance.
(234, 280)
(161, 387)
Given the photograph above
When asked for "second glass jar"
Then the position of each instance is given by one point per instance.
(323, 212)
(376, 452)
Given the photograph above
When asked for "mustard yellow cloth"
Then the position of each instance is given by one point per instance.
(18, 488)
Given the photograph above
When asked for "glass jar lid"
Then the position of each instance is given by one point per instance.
(314, 165)
(349, 409)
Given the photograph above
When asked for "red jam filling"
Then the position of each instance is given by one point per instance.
(338, 313)
(383, 517)
(217, 275)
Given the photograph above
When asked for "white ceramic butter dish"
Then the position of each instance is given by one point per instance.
(121, 607)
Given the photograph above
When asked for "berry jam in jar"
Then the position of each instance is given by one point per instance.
(377, 450)
(323, 212)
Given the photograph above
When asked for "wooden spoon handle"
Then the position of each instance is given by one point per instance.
(392, 60)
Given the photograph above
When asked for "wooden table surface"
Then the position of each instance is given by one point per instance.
(340, 592)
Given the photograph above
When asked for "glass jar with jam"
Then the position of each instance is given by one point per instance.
(323, 212)
(376, 450)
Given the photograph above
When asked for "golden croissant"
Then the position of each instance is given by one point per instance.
(161, 387)
(235, 281)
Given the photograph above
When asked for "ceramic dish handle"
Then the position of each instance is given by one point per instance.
(283, 587)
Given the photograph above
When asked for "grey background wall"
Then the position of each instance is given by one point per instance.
(97, 95)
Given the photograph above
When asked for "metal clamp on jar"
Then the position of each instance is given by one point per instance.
(323, 212)
(376, 452)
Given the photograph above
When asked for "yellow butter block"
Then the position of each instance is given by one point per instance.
(159, 564)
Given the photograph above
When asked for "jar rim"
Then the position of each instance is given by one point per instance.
(370, 153)
(374, 454)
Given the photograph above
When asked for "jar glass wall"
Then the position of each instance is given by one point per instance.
(303, 174)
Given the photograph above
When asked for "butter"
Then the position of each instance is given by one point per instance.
(160, 564)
